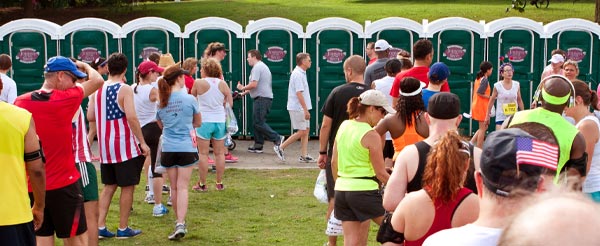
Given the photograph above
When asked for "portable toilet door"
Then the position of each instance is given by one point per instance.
(89, 38)
(199, 33)
(520, 40)
(278, 40)
(329, 42)
(400, 33)
(30, 43)
(144, 36)
(460, 44)
(579, 38)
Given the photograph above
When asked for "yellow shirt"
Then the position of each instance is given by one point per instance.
(15, 206)
(354, 162)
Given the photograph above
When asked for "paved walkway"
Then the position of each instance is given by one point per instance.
(266, 160)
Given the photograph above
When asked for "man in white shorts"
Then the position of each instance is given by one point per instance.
(299, 106)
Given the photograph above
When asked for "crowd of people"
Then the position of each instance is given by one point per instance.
(389, 143)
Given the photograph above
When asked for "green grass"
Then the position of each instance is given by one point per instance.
(274, 207)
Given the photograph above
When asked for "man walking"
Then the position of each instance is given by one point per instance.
(119, 133)
(52, 108)
(262, 95)
(299, 105)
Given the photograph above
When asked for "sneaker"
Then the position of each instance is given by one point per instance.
(199, 187)
(149, 199)
(127, 233)
(280, 142)
(306, 159)
(105, 233)
(220, 186)
(279, 152)
(147, 188)
(169, 203)
(166, 189)
(229, 158)
(179, 232)
(253, 149)
(159, 210)
(211, 161)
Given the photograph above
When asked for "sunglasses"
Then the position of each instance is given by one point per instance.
(72, 76)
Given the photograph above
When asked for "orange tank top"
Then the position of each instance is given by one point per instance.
(409, 137)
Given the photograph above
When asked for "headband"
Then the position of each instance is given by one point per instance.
(554, 99)
(410, 94)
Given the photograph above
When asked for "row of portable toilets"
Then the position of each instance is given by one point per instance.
(460, 43)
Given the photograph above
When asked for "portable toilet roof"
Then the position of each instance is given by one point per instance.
(392, 23)
(493, 27)
(90, 24)
(211, 23)
(334, 22)
(273, 23)
(150, 23)
(47, 27)
(453, 23)
(569, 25)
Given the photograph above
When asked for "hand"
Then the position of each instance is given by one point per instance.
(306, 115)
(322, 160)
(38, 217)
(487, 121)
(240, 86)
(145, 149)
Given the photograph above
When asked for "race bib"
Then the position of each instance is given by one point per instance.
(509, 108)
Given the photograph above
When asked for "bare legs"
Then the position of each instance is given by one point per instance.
(180, 178)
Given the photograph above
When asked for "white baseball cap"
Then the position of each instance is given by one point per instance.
(382, 45)
(376, 98)
(557, 58)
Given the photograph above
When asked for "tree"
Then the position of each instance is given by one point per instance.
(28, 8)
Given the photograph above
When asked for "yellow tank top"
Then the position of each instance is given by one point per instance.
(15, 207)
(354, 162)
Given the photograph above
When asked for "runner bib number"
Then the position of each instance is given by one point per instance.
(509, 108)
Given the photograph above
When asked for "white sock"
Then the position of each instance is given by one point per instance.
(150, 182)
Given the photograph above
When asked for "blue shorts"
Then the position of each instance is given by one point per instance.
(499, 123)
(211, 130)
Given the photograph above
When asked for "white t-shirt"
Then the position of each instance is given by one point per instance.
(467, 235)
(9, 89)
(385, 85)
(592, 180)
(505, 97)
(298, 82)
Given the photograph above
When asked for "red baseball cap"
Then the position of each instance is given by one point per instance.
(148, 66)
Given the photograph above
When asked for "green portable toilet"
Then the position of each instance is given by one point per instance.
(29, 42)
(579, 38)
(199, 33)
(143, 36)
(89, 38)
(278, 40)
(460, 44)
(330, 41)
(400, 33)
(521, 40)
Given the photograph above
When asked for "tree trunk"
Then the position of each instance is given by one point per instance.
(28, 8)
(597, 12)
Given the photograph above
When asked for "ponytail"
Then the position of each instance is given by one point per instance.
(483, 68)
(164, 92)
(137, 81)
(594, 100)
(353, 107)
(589, 97)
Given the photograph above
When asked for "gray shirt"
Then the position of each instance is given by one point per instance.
(375, 71)
(261, 73)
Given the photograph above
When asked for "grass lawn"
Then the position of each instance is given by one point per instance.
(241, 11)
(274, 207)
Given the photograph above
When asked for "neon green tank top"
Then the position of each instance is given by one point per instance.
(564, 131)
(354, 163)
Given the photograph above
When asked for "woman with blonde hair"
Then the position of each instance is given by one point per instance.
(571, 70)
(443, 202)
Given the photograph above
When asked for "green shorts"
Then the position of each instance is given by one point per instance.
(88, 181)
(211, 130)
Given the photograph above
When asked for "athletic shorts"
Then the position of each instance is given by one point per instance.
(358, 205)
(499, 123)
(18, 235)
(211, 130)
(63, 214)
(88, 181)
(298, 121)
(152, 133)
(123, 174)
(388, 149)
(178, 159)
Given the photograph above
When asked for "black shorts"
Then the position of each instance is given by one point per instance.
(18, 235)
(123, 174)
(388, 149)
(64, 213)
(178, 159)
(152, 133)
(358, 205)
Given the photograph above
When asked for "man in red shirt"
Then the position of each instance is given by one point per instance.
(52, 108)
(423, 53)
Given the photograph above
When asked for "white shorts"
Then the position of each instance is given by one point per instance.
(298, 121)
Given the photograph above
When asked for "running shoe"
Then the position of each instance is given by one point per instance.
(211, 161)
(307, 159)
(199, 187)
(105, 233)
(229, 158)
(180, 231)
(169, 203)
(159, 210)
(281, 140)
(127, 233)
(220, 186)
(279, 152)
(253, 149)
(166, 189)
(149, 199)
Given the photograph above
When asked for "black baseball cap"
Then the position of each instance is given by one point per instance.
(444, 106)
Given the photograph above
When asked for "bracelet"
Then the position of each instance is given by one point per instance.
(322, 152)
